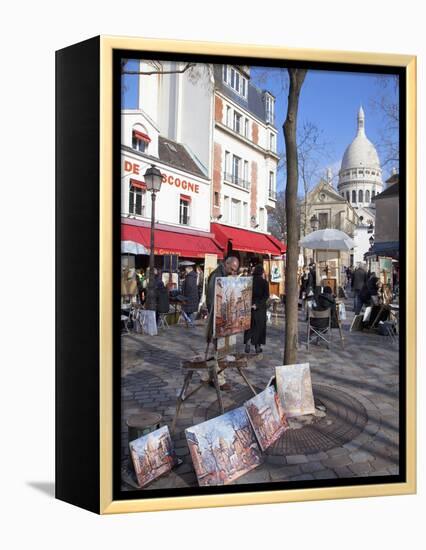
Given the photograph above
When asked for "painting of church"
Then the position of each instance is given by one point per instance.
(267, 417)
(294, 388)
(152, 455)
(232, 310)
(223, 448)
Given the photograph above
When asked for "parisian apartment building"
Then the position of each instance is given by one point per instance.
(211, 133)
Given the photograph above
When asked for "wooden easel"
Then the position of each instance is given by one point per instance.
(214, 365)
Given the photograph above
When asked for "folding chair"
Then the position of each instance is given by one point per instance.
(319, 326)
(162, 320)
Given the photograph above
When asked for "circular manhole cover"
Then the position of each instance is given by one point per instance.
(345, 419)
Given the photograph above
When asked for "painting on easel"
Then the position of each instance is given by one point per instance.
(223, 448)
(267, 417)
(232, 305)
(152, 455)
(295, 389)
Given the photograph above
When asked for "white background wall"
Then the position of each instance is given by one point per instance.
(30, 32)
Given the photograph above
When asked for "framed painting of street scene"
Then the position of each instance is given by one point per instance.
(267, 417)
(152, 455)
(295, 389)
(256, 241)
(224, 448)
(232, 307)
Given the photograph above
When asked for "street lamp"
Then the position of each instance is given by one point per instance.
(153, 181)
(314, 222)
(371, 241)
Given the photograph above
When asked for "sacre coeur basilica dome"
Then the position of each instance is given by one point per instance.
(360, 176)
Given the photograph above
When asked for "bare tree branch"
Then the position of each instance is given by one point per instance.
(147, 73)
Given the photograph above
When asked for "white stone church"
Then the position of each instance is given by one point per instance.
(360, 179)
(351, 208)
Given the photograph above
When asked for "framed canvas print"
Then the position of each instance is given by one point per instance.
(220, 210)
(267, 417)
(152, 455)
(223, 448)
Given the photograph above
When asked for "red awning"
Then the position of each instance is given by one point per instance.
(137, 183)
(170, 242)
(278, 243)
(247, 241)
(141, 135)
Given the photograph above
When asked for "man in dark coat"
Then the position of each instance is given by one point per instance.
(190, 293)
(229, 267)
(326, 300)
(359, 279)
(256, 334)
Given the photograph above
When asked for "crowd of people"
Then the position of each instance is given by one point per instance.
(187, 291)
(367, 288)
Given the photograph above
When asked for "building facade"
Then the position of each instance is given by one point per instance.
(212, 135)
(332, 211)
(245, 163)
(386, 235)
(171, 128)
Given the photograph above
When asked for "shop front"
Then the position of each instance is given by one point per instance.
(253, 248)
(383, 259)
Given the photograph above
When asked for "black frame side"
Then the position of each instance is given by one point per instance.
(77, 276)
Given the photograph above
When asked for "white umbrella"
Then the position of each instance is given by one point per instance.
(327, 239)
(130, 247)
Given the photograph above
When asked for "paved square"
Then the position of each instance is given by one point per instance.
(355, 432)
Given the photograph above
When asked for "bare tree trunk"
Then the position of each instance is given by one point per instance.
(297, 76)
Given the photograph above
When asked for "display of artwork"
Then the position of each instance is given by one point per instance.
(385, 274)
(267, 417)
(232, 305)
(294, 388)
(223, 448)
(153, 455)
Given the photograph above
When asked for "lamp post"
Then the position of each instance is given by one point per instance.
(371, 241)
(153, 181)
(314, 222)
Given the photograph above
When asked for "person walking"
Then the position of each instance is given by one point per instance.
(359, 279)
(256, 334)
(190, 294)
(228, 268)
(162, 304)
(306, 288)
(200, 281)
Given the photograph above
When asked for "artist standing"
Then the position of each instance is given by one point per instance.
(257, 331)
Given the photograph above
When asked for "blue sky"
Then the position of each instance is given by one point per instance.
(330, 100)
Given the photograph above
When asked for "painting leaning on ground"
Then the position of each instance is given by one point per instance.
(207, 174)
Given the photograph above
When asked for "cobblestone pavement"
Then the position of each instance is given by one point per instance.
(357, 387)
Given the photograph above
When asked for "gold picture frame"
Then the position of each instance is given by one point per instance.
(106, 47)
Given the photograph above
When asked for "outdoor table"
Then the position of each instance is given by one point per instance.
(142, 423)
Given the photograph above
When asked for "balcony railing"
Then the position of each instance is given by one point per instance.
(272, 194)
(232, 178)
